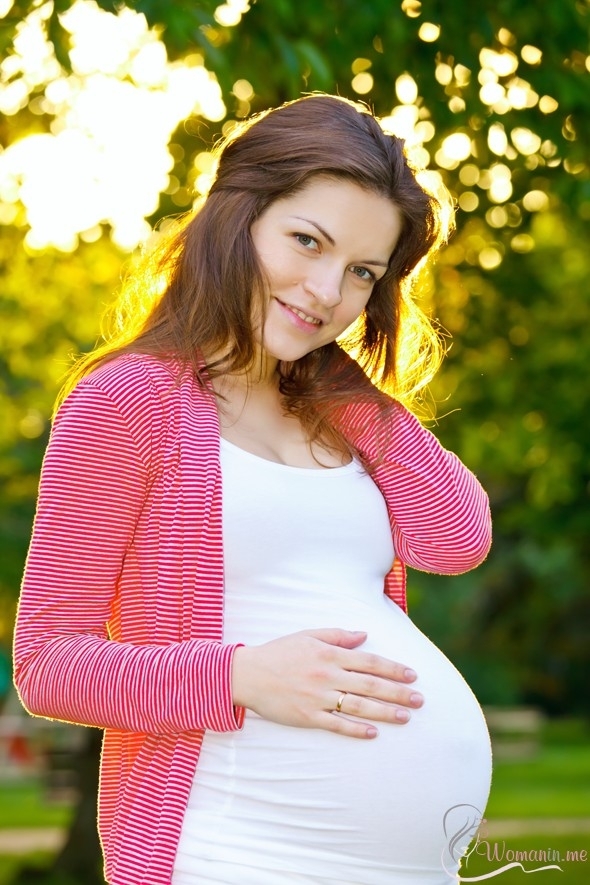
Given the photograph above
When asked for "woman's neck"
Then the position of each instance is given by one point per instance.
(262, 373)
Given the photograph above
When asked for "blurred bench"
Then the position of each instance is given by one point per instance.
(41, 748)
(515, 731)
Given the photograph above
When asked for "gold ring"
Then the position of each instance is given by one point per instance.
(339, 703)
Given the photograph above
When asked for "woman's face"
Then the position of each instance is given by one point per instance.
(323, 250)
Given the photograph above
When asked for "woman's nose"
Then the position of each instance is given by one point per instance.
(325, 287)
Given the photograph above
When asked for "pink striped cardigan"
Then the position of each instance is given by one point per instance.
(120, 619)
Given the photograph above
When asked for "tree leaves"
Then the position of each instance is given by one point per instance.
(512, 287)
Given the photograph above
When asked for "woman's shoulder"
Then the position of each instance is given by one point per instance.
(142, 377)
(135, 395)
(141, 388)
(132, 371)
(140, 383)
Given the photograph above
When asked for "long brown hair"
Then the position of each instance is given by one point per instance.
(197, 293)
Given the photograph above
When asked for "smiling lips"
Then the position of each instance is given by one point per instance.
(313, 321)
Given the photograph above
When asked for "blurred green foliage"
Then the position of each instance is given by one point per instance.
(511, 289)
(49, 309)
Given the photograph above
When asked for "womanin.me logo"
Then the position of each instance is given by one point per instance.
(462, 823)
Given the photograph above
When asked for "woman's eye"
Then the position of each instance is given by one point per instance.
(306, 241)
(363, 274)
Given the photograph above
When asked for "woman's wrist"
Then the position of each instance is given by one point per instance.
(240, 675)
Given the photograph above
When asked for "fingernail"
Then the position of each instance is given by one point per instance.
(372, 732)
(416, 699)
(402, 715)
(410, 674)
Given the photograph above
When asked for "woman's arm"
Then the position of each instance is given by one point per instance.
(440, 512)
(94, 483)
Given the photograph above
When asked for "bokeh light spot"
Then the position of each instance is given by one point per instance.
(525, 141)
(469, 174)
(497, 139)
(455, 147)
(531, 54)
(522, 243)
(32, 424)
(361, 64)
(468, 201)
(443, 74)
(412, 8)
(533, 421)
(406, 89)
(547, 104)
(362, 83)
(429, 32)
(243, 90)
(490, 258)
(519, 335)
(535, 201)
(229, 14)
(501, 63)
(497, 217)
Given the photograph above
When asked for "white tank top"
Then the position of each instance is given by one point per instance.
(307, 548)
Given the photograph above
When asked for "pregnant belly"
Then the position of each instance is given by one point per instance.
(330, 807)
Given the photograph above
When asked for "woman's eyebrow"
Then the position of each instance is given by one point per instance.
(332, 242)
(323, 232)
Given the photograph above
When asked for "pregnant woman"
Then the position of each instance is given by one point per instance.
(231, 493)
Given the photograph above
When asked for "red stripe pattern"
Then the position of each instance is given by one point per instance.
(120, 618)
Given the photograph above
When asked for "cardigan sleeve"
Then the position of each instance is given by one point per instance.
(95, 476)
(439, 512)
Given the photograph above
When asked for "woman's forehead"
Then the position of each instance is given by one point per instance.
(344, 211)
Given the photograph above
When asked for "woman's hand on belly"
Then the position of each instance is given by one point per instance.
(302, 680)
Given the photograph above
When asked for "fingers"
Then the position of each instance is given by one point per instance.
(347, 727)
(338, 637)
(362, 662)
(359, 707)
(382, 690)
(375, 665)
(370, 676)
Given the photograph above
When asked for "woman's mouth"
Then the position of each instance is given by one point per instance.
(310, 320)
